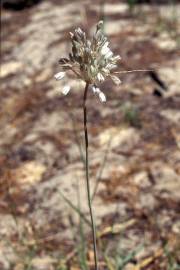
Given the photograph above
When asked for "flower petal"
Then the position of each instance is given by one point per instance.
(96, 90)
(66, 89)
(102, 97)
(79, 31)
(100, 77)
(116, 58)
(115, 79)
(105, 49)
(71, 34)
(109, 54)
(58, 76)
(99, 25)
(111, 66)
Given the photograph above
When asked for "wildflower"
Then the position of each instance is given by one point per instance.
(91, 61)
(59, 75)
(101, 95)
(66, 89)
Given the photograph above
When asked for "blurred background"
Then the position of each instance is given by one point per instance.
(134, 139)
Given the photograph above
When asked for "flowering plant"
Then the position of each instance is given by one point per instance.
(91, 61)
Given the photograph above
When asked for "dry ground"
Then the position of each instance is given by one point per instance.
(134, 139)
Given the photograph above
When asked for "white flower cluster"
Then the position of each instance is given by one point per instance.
(91, 61)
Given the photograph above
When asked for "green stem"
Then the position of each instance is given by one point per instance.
(87, 176)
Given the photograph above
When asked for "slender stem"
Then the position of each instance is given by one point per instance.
(87, 177)
(133, 70)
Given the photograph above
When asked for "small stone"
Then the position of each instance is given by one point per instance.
(141, 179)
(29, 173)
(10, 68)
(44, 263)
(126, 137)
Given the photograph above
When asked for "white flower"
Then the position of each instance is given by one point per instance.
(60, 75)
(101, 95)
(109, 54)
(111, 66)
(115, 79)
(79, 31)
(90, 60)
(96, 90)
(117, 57)
(105, 49)
(66, 89)
(100, 77)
